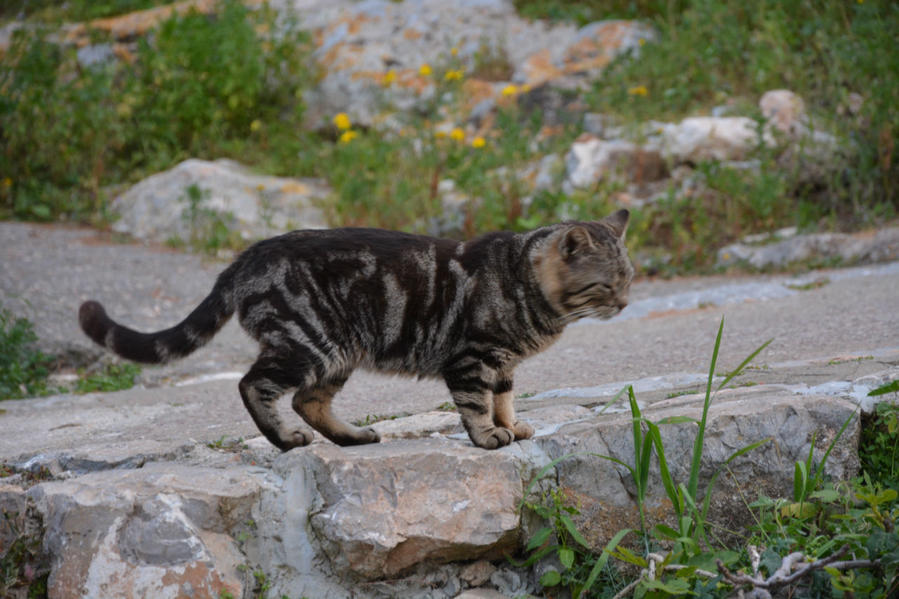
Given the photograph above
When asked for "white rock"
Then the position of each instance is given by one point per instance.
(784, 111)
(256, 206)
(591, 160)
(696, 139)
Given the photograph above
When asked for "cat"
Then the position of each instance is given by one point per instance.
(324, 302)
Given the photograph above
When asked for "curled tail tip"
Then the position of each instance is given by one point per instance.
(93, 320)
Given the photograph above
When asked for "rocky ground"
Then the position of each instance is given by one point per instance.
(167, 486)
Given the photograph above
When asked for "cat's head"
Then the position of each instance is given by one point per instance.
(583, 268)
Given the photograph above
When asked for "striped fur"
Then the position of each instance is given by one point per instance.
(323, 303)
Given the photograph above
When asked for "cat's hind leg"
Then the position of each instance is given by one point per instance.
(313, 403)
(504, 410)
(271, 376)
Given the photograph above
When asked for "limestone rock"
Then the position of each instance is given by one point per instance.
(708, 138)
(159, 531)
(784, 111)
(865, 248)
(477, 573)
(257, 206)
(591, 160)
(12, 515)
(390, 506)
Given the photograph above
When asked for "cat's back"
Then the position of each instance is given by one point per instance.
(318, 244)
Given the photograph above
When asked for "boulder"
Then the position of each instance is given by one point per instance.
(161, 531)
(388, 507)
(181, 202)
(862, 248)
(700, 138)
(784, 111)
(591, 160)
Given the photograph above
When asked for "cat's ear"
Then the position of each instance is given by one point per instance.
(574, 240)
(618, 221)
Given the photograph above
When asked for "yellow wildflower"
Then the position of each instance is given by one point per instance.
(453, 75)
(342, 121)
(256, 125)
(454, 51)
(510, 90)
(457, 134)
(348, 136)
(641, 41)
(639, 90)
(424, 70)
(440, 134)
(478, 142)
(7, 182)
(389, 77)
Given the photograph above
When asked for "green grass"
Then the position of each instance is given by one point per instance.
(113, 377)
(24, 369)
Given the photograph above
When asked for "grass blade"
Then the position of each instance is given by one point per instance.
(739, 369)
(700, 435)
(667, 481)
(820, 470)
(603, 560)
(614, 400)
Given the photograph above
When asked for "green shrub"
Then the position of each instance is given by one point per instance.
(23, 368)
(113, 377)
(203, 86)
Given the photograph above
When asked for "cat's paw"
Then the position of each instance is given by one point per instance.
(295, 438)
(358, 436)
(495, 438)
(522, 430)
(368, 435)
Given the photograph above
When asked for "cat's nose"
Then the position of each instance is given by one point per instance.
(621, 303)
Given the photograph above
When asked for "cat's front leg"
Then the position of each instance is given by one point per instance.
(471, 387)
(504, 410)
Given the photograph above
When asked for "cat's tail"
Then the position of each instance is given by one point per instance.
(193, 332)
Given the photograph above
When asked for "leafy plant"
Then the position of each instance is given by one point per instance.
(578, 568)
(113, 377)
(879, 442)
(23, 368)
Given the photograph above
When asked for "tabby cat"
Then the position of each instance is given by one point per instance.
(322, 303)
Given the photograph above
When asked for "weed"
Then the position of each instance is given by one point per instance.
(373, 418)
(209, 230)
(224, 444)
(447, 406)
(879, 444)
(113, 377)
(23, 368)
(23, 568)
(816, 284)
